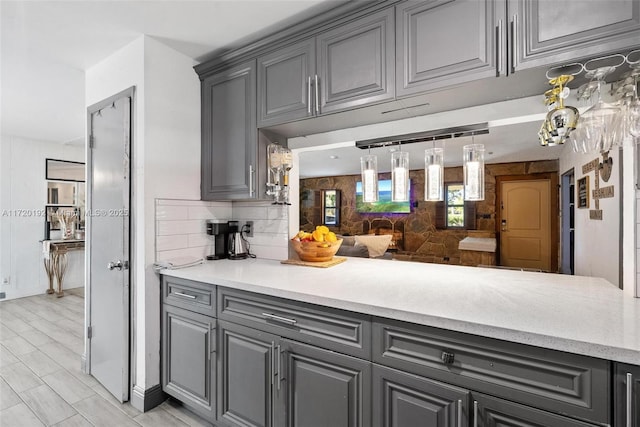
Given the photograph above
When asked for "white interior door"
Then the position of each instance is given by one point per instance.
(108, 235)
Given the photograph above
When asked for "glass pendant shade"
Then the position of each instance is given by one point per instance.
(434, 174)
(473, 170)
(400, 176)
(369, 169)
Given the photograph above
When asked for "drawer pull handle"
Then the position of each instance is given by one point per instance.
(459, 412)
(280, 318)
(629, 408)
(447, 357)
(180, 294)
(475, 413)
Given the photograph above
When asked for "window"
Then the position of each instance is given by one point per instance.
(331, 207)
(454, 212)
(455, 205)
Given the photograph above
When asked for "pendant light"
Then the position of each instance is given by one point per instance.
(369, 169)
(400, 176)
(473, 171)
(434, 174)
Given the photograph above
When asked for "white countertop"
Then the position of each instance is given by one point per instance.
(582, 315)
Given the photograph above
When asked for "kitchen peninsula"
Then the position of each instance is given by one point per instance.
(542, 347)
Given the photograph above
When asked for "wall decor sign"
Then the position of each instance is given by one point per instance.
(583, 192)
(602, 170)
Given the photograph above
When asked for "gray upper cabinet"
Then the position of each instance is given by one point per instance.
(404, 400)
(355, 63)
(555, 32)
(431, 55)
(284, 83)
(627, 395)
(229, 134)
(342, 68)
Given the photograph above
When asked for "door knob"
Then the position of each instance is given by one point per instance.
(118, 265)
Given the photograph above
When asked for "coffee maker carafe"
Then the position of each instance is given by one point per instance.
(237, 245)
(220, 232)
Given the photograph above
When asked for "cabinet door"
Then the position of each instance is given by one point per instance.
(355, 63)
(284, 85)
(625, 403)
(229, 134)
(188, 359)
(431, 55)
(555, 32)
(404, 400)
(324, 388)
(491, 411)
(246, 376)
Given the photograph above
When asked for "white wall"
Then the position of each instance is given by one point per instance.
(596, 242)
(23, 196)
(166, 164)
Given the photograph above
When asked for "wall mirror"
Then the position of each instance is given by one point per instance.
(64, 170)
(62, 193)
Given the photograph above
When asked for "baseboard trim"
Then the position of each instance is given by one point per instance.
(144, 400)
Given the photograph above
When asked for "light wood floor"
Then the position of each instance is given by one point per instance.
(41, 382)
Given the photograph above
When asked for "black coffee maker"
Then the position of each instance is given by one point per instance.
(220, 232)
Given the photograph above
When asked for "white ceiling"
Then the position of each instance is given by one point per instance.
(47, 45)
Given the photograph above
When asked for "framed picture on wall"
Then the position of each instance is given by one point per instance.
(583, 192)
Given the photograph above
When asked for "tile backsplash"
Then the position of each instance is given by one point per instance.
(181, 227)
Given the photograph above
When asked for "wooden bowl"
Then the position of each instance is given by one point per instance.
(316, 251)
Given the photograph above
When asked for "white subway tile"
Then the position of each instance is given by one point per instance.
(271, 226)
(193, 252)
(166, 228)
(269, 239)
(179, 202)
(165, 243)
(249, 213)
(210, 212)
(278, 212)
(264, 203)
(197, 240)
(171, 212)
(270, 252)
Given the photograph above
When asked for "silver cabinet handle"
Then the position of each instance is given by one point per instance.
(278, 365)
(629, 399)
(118, 265)
(317, 96)
(280, 318)
(459, 412)
(251, 173)
(514, 43)
(180, 294)
(499, 52)
(475, 413)
(309, 101)
(273, 361)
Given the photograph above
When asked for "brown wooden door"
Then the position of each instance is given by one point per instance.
(526, 223)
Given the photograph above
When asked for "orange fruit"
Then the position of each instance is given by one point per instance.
(331, 237)
(318, 236)
(323, 229)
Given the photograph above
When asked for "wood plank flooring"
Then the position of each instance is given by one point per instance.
(41, 383)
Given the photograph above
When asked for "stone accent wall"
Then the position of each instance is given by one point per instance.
(422, 241)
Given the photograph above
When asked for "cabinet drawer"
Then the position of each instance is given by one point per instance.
(560, 382)
(333, 329)
(193, 296)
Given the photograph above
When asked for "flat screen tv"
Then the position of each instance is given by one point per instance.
(384, 203)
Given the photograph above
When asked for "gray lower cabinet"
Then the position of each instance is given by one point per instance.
(230, 163)
(491, 411)
(560, 31)
(627, 395)
(246, 370)
(430, 55)
(188, 358)
(342, 68)
(401, 399)
(323, 388)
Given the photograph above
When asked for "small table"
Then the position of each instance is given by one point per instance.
(55, 260)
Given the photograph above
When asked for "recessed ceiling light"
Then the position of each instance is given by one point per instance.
(333, 156)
